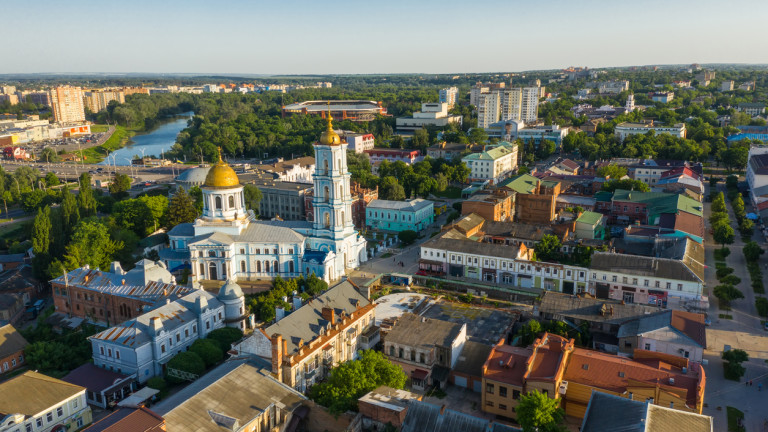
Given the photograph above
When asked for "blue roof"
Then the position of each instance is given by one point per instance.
(751, 136)
(316, 255)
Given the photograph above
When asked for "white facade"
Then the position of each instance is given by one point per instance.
(495, 163)
(503, 104)
(73, 410)
(448, 96)
(623, 130)
(726, 86)
(681, 289)
(431, 114)
(360, 142)
(612, 87)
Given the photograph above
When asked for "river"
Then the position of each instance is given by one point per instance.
(153, 143)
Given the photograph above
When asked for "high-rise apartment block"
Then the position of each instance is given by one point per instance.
(7, 90)
(518, 104)
(448, 96)
(97, 100)
(67, 104)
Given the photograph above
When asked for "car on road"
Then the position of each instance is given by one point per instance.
(765, 325)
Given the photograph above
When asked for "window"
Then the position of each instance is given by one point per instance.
(49, 417)
(101, 350)
(117, 354)
(679, 287)
(645, 283)
(218, 203)
(194, 328)
(59, 412)
(489, 388)
(39, 422)
(13, 362)
(231, 202)
(687, 354)
(502, 407)
(178, 337)
(109, 352)
(502, 391)
(627, 344)
(515, 394)
(614, 278)
(658, 284)
(162, 348)
(647, 347)
(74, 403)
(488, 403)
(28, 428)
(207, 325)
(186, 333)
(400, 353)
(79, 422)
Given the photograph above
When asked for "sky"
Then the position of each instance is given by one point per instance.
(373, 37)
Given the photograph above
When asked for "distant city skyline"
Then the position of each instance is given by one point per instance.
(301, 37)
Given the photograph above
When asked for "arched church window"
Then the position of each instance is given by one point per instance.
(218, 203)
(202, 270)
(242, 266)
(325, 167)
(231, 201)
(258, 266)
(276, 267)
(327, 220)
(326, 194)
(290, 267)
(266, 266)
(211, 253)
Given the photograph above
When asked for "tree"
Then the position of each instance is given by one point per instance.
(626, 184)
(736, 356)
(478, 136)
(351, 380)
(186, 361)
(545, 149)
(529, 332)
(612, 171)
(120, 185)
(197, 194)
(224, 337)
(91, 244)
(49, 154)
(181, 209)
(208, 350)
(407, 237)
(85, 199)
(548, 249)
(723, 233)
(391, 189)
(253, 197)
(41, 231)
(536, 412)
(752, 251)
(51, 179)
(70, 214)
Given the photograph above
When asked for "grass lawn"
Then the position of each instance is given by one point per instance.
(115, 142)
(449, 192)
(734, 415)
(725, 316)
(97, 128)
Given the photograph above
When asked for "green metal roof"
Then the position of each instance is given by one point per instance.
(590, 218)
(499, 150)
(660, 202)
(524, 184)
(603, 196)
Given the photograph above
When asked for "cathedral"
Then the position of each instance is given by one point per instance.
(228, 242)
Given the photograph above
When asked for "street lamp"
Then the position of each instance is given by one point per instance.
(130, 165)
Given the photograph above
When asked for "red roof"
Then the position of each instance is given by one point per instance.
(685, 171)
(129, 420)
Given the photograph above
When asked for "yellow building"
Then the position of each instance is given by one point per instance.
(97, 100)
(67, 104)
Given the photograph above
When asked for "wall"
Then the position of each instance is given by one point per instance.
(8, 362)
(491, 401)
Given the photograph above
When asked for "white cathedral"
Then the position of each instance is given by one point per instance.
(227, 242)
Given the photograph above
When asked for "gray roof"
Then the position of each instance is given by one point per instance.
(230, 291)
(415, 331)
(473, 247)
(425, 417)
(662, 327)
(227, 398)
(592, 309)
(135, 332)
(410, 205)
(472, 357)
(520, 230)
(643, 266)
(193, 175)
(607, 412)
(11, 258)
(11, 341)
(258, 231)
(305, 323)
(183, 230)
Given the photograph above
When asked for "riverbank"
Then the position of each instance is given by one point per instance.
(119, 138)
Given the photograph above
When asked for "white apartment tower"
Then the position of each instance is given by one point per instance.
(503, 104)
(449, 95)
(630, 106)
(67, 104)
(488, 109)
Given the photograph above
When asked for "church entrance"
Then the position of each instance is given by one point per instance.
(212, 271)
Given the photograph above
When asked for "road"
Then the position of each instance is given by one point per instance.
(73, 170)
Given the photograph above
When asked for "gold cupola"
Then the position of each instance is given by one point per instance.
(329, 136)
(221, 175)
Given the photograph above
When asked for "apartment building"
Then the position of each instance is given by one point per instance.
(359, 142)
(393, 155)
(519, 104)
(726, 86)
(495, 163)
(305, 344)
(431, 114)
(752, 109)
(67, 104)
(613, 87)
(414, 214)
(535, 200)
(626, 129)
(497, 205)
(98, 100)
(663, 97)
(449, 95)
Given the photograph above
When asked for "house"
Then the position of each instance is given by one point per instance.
(589, 225)
(12, 345)
(679, 180)
(105, 388)
(359, 142)
(427, 417)
(468, 371)
(568, 166)
(236, 396)
(415, 214)
(38, 403)
(448, 151)
(11, 261)
(535, 200)
(385, 405)
(426, 349)
(297, 170)
(378, 155)
(671, 332)
(143, 345)
(116, 295)
(12, 306)
(129, 419)
(493, 205)
(495, 163)
(647, 207)
(607, 412)
(750, 108)
(305, 344)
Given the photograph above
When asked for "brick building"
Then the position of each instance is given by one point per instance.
(12, 345)
(497, 205)
(535, 200)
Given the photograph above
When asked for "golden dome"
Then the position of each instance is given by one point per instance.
(329, 136)
(221, 175)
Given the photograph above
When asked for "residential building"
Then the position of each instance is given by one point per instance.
(647, 207)
(753, 109)
(680, 180)
(626, 129)
(682, 83)
(105, 388)
(298, 170)
(129, 419)
(651, 171)
(607, 412)
(448, 151)
(757, 178)
(482, 88)
(11, 99)
(449, 95)
(705, 76)
(227, 241)
(672, 332)
(468, 371)
(354, 110)
(283, 199)
(726, 86)
(360, 142)
(535, 200)
(537, 134)
(516, 233)
(414, 214)
(12, 306)
(426, 417)
(747, 86)
(116, 295)
(511, 372)
(361, 197)
(7, 89)
(385, 405)
(613, 87)
(519, 104)
(143, 345)
(379, 155)
(647, 280)
(590, 225)
(426, 349)
(98, 100)
(431, 114)
(36, 97)
(305, 344)
(235, 396)
(38, 403)
(488, 109)
(67, 104)
(12, 345)
(663, 97)
(495, 205)
(495, 163)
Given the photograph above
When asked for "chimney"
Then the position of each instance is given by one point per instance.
(442, 409)
(329, 315)
(278, 345)
(155, 326)
(279, 313)
(296, 303)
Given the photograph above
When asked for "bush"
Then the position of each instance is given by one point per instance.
(736, 356)
(208, 350)
(722, 253)
(733, 371)
(407, 236)
(157, 383)
(761, 303)
(187, 361)
(225, 337)
(730, 280)
(723, 272)
(752, 251)
(758, 287)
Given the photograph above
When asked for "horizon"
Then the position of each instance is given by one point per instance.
(242, 38)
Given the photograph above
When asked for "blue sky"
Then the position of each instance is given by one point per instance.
(389, 36)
